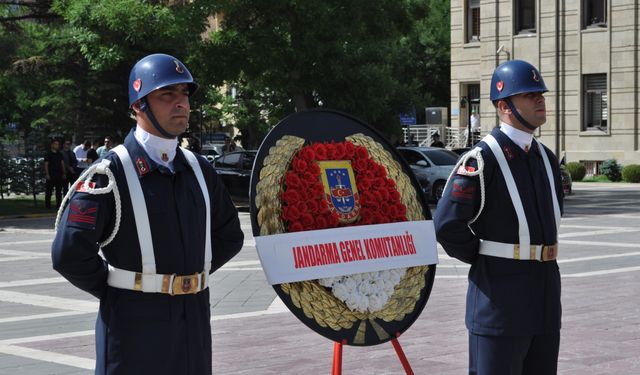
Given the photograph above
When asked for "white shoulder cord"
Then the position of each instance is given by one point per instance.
(473, 154)
(85, 178)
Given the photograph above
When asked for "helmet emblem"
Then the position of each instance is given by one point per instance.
(499, 86)
(535, 76)
(137, 84)
(178, 67)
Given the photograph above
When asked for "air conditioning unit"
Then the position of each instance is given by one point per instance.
(437, 116)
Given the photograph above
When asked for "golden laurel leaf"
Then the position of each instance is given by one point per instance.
(268, 189)
(316, 301)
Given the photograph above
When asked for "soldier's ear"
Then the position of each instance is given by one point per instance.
(138, 106)
(502, 107)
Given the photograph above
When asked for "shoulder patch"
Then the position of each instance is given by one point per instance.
(463, 169)
(80, 186)
(463, 190)
(83, 214)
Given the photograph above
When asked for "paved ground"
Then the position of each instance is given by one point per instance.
(46, 326)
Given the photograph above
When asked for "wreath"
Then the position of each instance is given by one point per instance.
(290, 197)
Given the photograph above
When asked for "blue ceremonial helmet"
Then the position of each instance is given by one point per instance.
(515, 77)
(157, 71)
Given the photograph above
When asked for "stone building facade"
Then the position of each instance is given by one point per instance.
(588, 53)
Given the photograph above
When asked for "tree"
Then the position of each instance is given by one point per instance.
(68, 71)
(359, 57)
(65, 63)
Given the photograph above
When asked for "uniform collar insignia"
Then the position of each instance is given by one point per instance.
(142, 166)
(507, 152)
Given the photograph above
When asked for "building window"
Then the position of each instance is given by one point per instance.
(525, 16)
(594, 13)
(595, 107)
(473, 21)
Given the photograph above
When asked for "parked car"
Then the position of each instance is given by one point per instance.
(566, 180)
(211, 151)
(234, 169)
(461, 151)
(433, 163)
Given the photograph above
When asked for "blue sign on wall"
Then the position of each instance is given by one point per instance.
(408, 118)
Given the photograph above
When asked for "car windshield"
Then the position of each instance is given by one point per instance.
(442, 157)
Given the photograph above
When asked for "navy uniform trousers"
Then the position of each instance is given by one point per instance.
(513, 306)
(149, 333)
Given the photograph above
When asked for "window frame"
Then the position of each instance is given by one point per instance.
(588, 120)
(469, 36)
(587, 13)
(520, 7)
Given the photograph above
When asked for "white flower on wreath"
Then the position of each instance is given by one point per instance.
(363, 292)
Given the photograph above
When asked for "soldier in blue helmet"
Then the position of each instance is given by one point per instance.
(500, 213)
(163, 221)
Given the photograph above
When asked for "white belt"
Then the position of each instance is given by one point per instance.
(540, 253)
(158, 283)
(148, 281)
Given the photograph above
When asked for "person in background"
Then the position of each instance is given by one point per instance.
(229, 146)
(502, 217)
(436, 141)
(54, 173)
(81, 156)
(106, 147)
(70, 163)
(92, 153)
(177, 226)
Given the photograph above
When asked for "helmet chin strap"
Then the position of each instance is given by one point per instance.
(146, 108)
(518, 116)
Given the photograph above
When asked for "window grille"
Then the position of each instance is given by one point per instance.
(596, 108)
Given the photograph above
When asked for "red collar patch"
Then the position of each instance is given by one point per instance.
(143, 167)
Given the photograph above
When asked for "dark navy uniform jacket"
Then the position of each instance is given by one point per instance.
(506, 297)
(149, 333)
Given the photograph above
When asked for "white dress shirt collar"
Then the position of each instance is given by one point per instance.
(160, 150)
(519, 137)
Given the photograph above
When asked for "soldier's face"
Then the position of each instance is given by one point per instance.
(170, 106)
(532, 107)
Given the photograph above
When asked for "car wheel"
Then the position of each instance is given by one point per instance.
(438, 189)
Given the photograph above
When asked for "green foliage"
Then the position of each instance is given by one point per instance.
(611, 169)
(362, 57)
(576, 170)
(65, 69)
(631, 173)
(597, 178)
(4, 171)
(23, 206)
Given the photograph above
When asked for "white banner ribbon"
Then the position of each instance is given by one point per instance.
(316, 254)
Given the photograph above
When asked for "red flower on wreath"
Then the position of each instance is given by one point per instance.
(305, 206)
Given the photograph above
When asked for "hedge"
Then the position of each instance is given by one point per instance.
(631, 173)
(576, 170)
